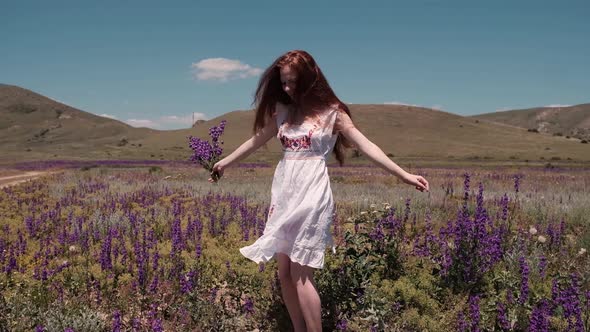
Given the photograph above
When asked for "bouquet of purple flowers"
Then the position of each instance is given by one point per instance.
(207, 153)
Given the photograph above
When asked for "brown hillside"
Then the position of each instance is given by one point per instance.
(35, 127)
(34, 124)
(571, 121)
(407, 131)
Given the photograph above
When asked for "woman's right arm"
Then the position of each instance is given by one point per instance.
(251, 145)
(346, 127)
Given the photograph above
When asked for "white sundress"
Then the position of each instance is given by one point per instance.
(302, 207)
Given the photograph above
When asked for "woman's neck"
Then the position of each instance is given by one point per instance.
(298, 116)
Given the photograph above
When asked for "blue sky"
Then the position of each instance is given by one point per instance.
(155, 63)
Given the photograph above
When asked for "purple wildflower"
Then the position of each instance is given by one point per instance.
(198, 250)
(105, 252)
(177, 243)
(524, 283)
(542, 266)
(466, 186)
(213, 293)
(568, 297)
(154, 285)
(155, 322)
(407, 210)
(205, 153)
(377, 233)
(342, 325)
(474, 312)
(539, 321)
(503, 317)
(136, 324)
(116, 321)
(157, 325)
(248, 306)
(187, 281)
(462, 325)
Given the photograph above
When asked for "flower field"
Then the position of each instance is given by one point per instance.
(145, 247)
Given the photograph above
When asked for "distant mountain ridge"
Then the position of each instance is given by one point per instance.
(34, 127)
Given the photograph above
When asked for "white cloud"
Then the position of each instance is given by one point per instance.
(434, 107)
(186, 120)
(503, 109)
(167, 121)
(222, 69)
(142, 123)
(108, 116)
(398, 103)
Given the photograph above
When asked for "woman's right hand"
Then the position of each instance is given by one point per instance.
(417, 181)
(218, 169)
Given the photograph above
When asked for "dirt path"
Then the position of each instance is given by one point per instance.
(11, 180)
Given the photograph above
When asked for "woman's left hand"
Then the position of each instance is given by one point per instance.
(417, 181)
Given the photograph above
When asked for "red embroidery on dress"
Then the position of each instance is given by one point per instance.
(301, 143)
(298, 143)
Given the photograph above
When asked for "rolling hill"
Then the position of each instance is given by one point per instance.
(422, 133)
(36, 127)
(32, 125)
(571, 121)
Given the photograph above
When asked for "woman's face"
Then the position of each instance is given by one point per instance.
(288, 79)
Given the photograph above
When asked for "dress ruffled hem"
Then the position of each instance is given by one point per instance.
(264, 250)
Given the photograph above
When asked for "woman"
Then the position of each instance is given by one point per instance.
(295, 103)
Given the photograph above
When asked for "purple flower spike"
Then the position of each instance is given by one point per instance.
(207, 153)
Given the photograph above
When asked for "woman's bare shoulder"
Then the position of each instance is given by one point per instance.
(343, 121)
(338, 107)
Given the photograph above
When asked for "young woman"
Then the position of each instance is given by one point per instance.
(295, 103)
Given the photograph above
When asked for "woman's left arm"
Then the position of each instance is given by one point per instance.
(373, 152)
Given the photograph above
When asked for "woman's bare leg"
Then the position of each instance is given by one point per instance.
(290, 293)
(309, 298)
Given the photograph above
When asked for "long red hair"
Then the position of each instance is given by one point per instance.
(312, 93)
